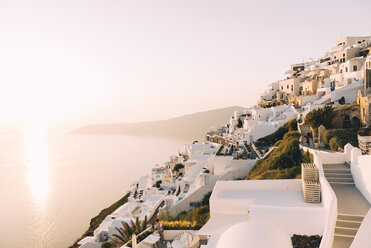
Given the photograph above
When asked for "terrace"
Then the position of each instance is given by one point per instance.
(263, 204)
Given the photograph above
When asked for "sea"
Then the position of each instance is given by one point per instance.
(51, 185)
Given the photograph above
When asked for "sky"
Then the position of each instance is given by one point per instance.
(79, 62)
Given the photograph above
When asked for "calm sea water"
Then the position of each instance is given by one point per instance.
(52, 185)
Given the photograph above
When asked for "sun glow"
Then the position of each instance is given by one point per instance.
(36, 155)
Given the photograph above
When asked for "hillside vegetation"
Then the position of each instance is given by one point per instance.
(271, 139)
(192, 126)
(338, 138)
(285, 161)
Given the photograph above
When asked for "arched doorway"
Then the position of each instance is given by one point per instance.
(355, 122)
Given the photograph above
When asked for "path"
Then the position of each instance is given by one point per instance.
(352, 206)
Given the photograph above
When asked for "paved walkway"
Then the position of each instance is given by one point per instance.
(350, 200)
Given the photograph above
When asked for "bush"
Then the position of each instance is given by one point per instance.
(335, 138)
(199, 216)
(158, 183)
(178, 167)
(307, 157)
(292, 134)
(108, 244)
(179, 225)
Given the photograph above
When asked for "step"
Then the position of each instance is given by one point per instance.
(340, 179)
(350, 217)
(342, 183)
(338, 174)
(348, 223)
(346, 231)
(337, 170)
(344, 236)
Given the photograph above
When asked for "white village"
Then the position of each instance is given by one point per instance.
(280, 174)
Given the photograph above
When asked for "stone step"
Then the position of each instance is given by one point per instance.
(342, 183)
(344, 236)
(350, 217)
(346, 231)
(348, 223)
(345, 170)
(347, 175)
(340, 179)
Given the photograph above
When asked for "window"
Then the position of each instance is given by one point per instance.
(341, 71)
(343, 54)
(346, 69)
(281, 87)
(354, 68)
(287, 86)
(292, 87)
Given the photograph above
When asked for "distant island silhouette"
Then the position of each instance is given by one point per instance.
(190, 126)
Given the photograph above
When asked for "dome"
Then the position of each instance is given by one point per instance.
(252, 234)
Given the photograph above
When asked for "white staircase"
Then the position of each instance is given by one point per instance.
(347, 225)
(339, 176)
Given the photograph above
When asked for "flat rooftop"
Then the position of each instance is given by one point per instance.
(270, 197)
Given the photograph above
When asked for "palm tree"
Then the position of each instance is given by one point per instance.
(128, 229)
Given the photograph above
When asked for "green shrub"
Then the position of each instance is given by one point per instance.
(107, 244)
(199, 215)
(335, 138)
(178, 167)
(307, 157)
(158, 183)
(292, 134)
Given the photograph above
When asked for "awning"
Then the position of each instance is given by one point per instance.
(218, 223)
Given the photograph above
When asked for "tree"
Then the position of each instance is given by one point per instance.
(158, 184)
(127, 230)
(320, 116)
(178, 167)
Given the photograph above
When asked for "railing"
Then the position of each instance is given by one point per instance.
(256, 150)
(140, 234)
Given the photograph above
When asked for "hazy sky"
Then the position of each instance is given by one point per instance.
(111, 61)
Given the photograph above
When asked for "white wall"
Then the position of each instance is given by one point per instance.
(363, 238)
(361, 171)
(292, 220)
(219, 163)
(91, 245)
(184, 204)
(331, 157)
(348, 150)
